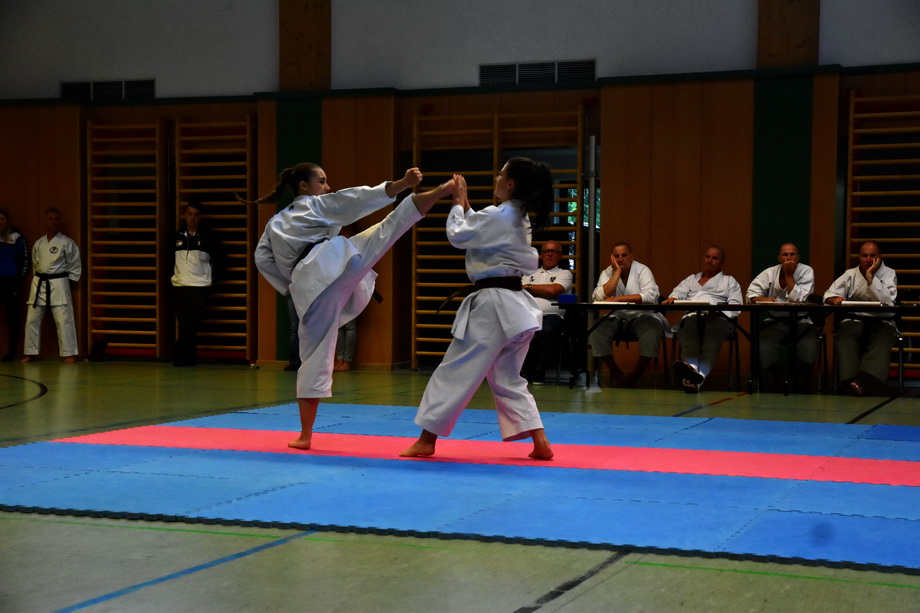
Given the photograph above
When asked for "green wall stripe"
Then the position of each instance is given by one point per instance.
(781, 199)
(300, 139)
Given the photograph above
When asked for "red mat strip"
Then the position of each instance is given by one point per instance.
(683, 461)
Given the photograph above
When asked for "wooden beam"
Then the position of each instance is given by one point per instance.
(787, 33)
(305, 47)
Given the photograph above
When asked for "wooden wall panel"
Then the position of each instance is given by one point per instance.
(40, 167)
(340, 146)
(823, 234)
(359, 149)
(625, 170)
(726, 172)
(675, 182)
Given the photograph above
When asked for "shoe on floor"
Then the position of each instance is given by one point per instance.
(689, 372)
(690, 387)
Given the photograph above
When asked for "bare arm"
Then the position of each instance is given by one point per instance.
(412, 178)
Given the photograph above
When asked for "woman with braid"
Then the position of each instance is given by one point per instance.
(328, 276)
(495, 322)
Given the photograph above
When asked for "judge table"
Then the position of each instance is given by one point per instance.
(578, 327)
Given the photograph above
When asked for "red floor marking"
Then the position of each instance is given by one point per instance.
(643, 459)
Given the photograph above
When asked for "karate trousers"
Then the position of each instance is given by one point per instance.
(483, 353)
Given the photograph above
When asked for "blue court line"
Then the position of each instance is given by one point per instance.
(181, 573)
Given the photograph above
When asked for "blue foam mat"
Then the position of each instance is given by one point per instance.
(776, 518)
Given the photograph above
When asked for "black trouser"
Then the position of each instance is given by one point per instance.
(189, 303)
(11, 299)
(544, 348)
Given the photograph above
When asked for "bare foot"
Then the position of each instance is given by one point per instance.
(301, 442)
(418, 449)
(341, 365)
(424, 446)
(71, 359)
(27, 358)
(541, 448)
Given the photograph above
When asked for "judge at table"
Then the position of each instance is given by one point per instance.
(864, 340)
(701, 334)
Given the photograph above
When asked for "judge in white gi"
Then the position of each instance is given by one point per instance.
(701, 334)
(864, 341)
(546, 284)
(790, 281)
(55, 262)
(494, 323)
(626, 280)
(329, 276)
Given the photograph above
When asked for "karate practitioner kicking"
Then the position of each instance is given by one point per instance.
(494, 324)
(328, 276)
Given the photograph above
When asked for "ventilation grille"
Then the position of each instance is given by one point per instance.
(86, 91)
(537, 73)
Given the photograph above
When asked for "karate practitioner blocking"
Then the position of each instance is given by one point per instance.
(329, 276)
(494, 324)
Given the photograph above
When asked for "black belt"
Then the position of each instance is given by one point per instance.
(44, 283)
(306, 250)
(512, 283)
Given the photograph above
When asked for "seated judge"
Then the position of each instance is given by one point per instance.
(864, 340)
(701, 333)
(545, 285)
(626, 280)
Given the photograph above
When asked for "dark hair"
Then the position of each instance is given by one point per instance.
(621, 244)
(195, 202)
(290, 177)
(533, 186)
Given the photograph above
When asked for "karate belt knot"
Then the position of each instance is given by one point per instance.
(44, 285)
(512, 283)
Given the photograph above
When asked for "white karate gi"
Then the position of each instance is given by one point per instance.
(648, 327)
(776, 328)
(864, 344)
(59, 255)
(493, 326)
(721, 289)
(334, 282)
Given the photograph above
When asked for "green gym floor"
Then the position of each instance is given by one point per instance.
(54, 562)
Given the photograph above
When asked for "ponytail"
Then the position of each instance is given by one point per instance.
(291, 178)
(533, 186)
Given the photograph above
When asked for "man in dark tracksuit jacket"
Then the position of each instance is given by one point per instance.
(199, 253)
